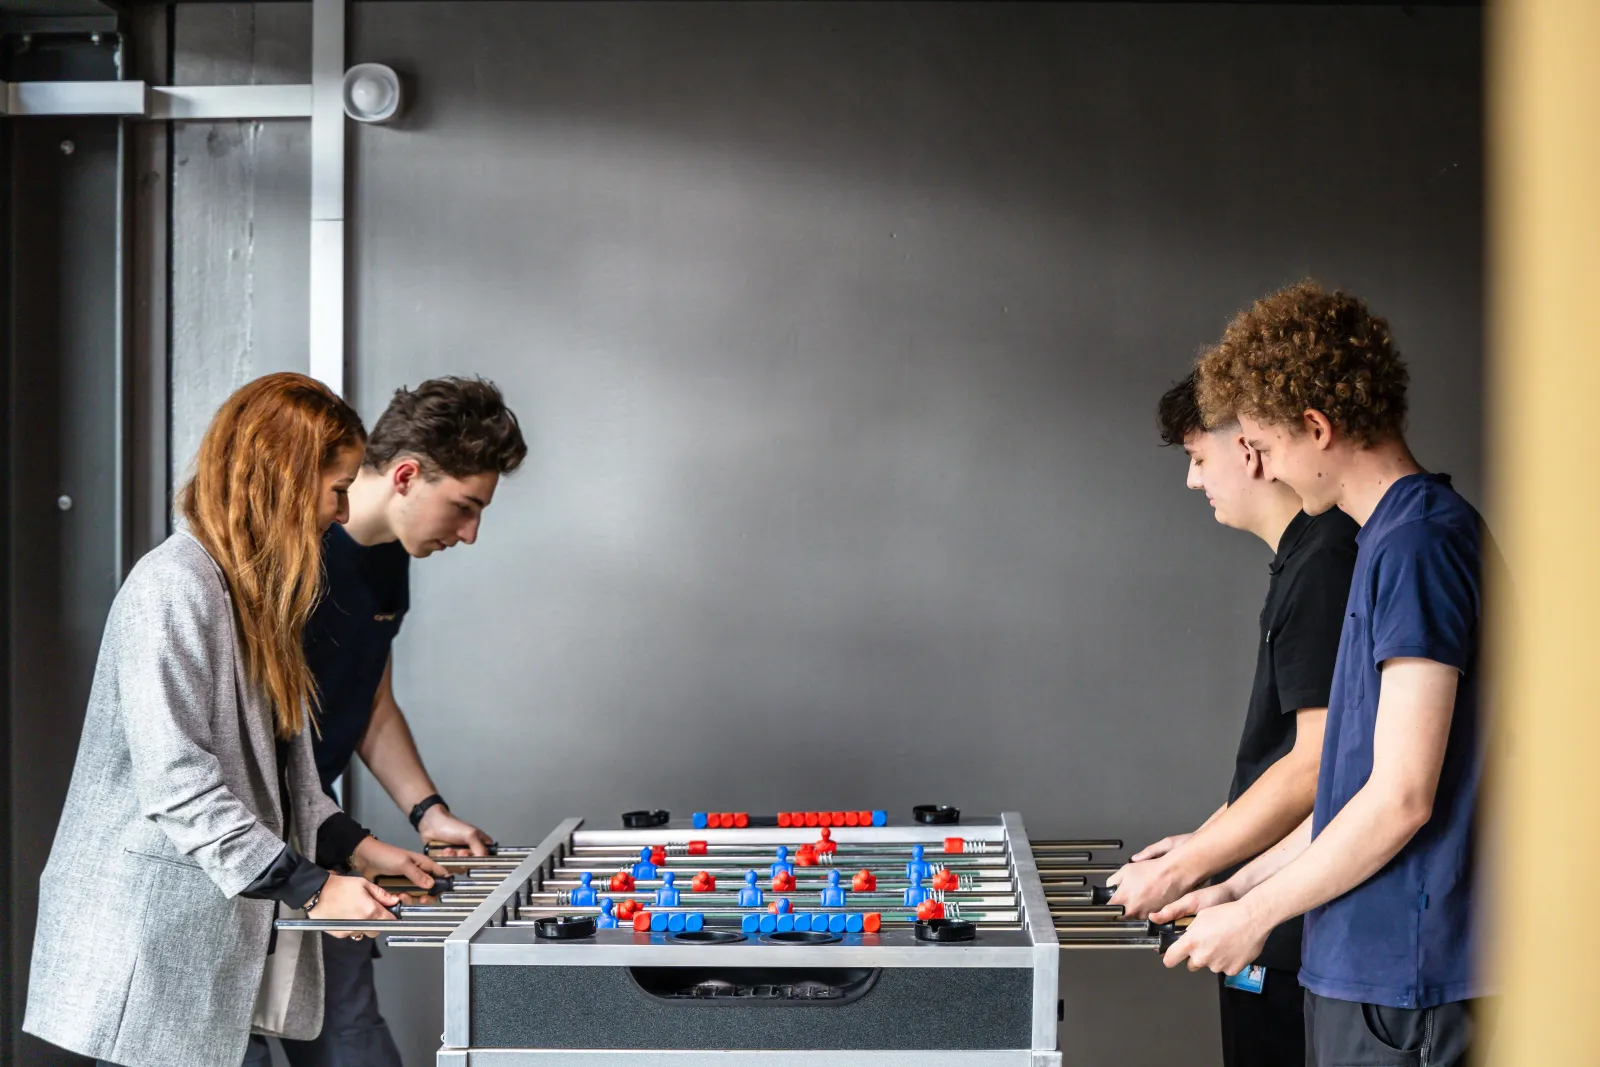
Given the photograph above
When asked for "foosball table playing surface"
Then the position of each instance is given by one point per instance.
(799, 938)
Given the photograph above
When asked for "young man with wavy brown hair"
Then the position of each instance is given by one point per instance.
(1383, 870)
(432, 464)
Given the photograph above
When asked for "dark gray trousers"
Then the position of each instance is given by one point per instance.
(1342, 1033)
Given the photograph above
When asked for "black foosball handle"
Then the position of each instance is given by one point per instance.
(936, 814)
(646, 819)
(1167, 934)
(429, 848)
(442, 884)
(1101, 895)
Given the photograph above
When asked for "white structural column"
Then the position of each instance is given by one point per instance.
(327, 192)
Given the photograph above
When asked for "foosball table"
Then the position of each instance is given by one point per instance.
(727, 938)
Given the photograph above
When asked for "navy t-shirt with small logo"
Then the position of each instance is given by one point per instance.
(347, 640)
(1404, 937)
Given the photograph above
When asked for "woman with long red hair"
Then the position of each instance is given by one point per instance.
(195, 816)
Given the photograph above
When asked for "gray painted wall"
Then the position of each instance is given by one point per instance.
(837, 332)
(241, 208)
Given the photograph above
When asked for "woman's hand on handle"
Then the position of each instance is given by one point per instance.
(372, 858)
(345, 898)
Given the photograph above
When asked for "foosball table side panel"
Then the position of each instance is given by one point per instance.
(509, 1057)
(945, 1008)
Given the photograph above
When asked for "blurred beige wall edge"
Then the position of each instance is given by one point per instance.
(1544, 383)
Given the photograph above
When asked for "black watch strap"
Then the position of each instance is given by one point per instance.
(422, 807)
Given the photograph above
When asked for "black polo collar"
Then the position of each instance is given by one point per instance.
(1290, 540)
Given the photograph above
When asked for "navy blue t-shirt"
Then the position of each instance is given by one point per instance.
(1404, 937)
(347, 640)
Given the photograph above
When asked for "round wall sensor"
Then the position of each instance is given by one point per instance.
(371, 92)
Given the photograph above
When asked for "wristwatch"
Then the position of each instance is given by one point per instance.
(422, 807)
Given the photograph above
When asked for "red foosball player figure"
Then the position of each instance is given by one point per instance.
(864, 881)
(627, 909)
(946, 879)
(783, 882)
(703, 883)
(806, 857)
(622, 882)
(930, 909)
(826, 845)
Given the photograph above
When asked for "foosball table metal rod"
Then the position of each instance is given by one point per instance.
(858, 901)
(1065, 917)
(680, 856)
(1120, 941)
(762, 865)
(1070, 887)
(481, 863)
(1088, 913)
(1050, 878)
(803, 884)
(384, 927)
(732, 919)
(432, 850)
(426, 912)
(1109, 844)
(457, 885)
(411, 934)
(1088, 844)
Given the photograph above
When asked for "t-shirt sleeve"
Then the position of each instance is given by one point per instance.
(1425, 596)
(1306, 644)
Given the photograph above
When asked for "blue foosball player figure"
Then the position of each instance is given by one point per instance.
(667, 895)
(915, 894)
(833, 896)
(750, 895)
(783, 863)
(644, 870)
(918, 867)
(583, 896)
(605, 920)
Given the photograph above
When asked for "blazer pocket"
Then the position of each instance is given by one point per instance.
(171, 861)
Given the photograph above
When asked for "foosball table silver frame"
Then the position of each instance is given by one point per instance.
(482, 940)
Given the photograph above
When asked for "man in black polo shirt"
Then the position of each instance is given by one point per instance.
(1275, 772)
(433, 462)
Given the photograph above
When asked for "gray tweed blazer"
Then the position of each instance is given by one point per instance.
(145, 953)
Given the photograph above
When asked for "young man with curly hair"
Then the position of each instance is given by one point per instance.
(1280, 747)
(1383, 870)
(433, 462)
